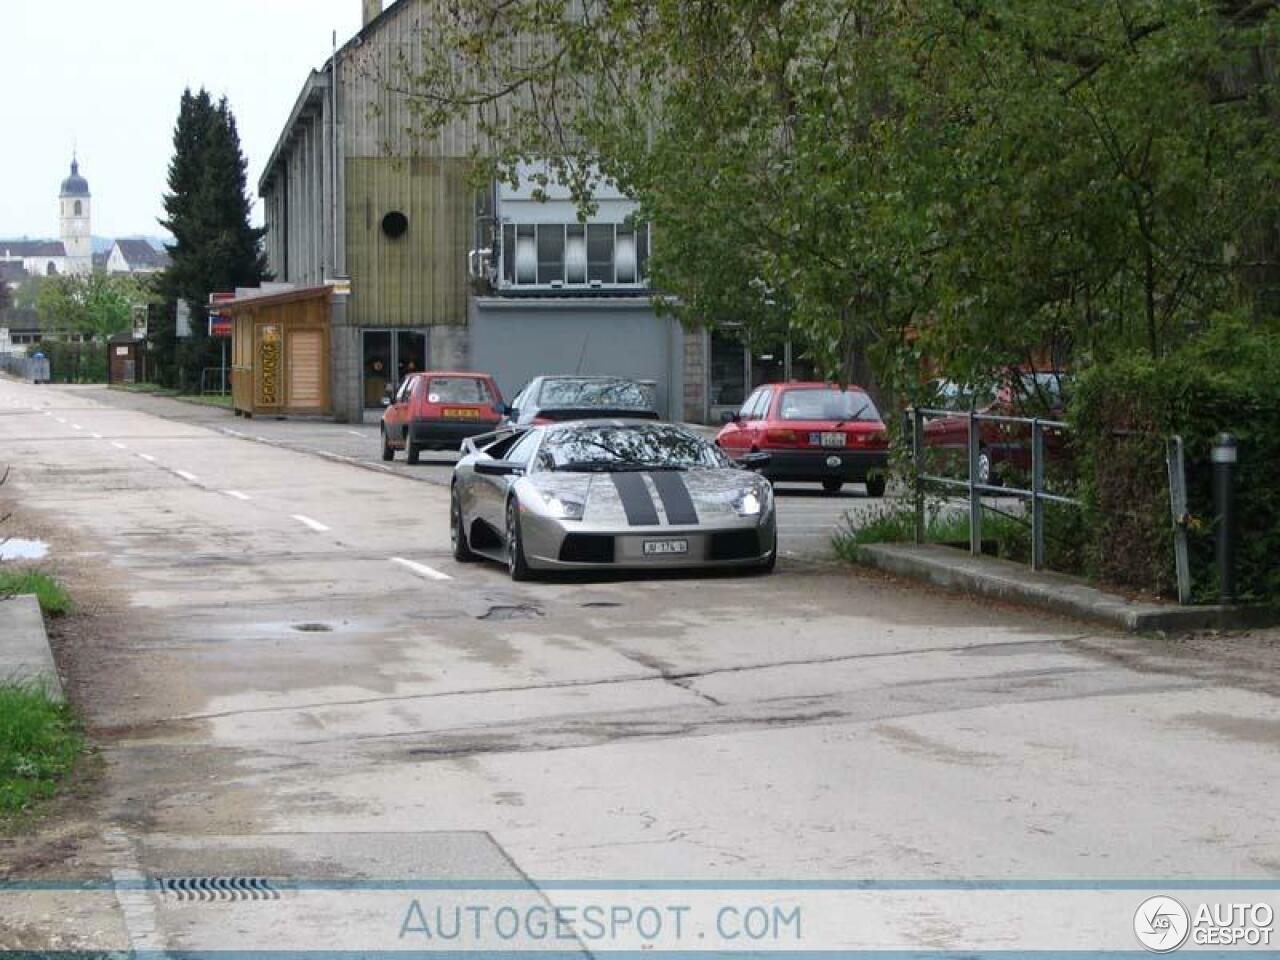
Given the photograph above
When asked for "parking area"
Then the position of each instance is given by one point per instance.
(807, 517)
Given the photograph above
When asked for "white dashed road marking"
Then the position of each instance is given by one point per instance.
(147, 457)
(237, 495)
(119, 446)
(97, 436)
(315, 525)
(421, 569)
(76, 426)
(189, 477)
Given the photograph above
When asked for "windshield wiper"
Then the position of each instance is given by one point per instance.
(596, 466)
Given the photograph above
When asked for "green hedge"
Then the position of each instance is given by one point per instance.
(75, 362)
(1226, 380)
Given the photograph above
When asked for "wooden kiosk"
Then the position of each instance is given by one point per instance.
(280, 351)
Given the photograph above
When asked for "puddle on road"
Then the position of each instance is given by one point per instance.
(23, 550)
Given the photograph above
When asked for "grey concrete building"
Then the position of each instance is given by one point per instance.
(444, 276)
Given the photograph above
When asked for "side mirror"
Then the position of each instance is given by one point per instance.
(755, 461)
(498, 468)
(734, 417)
(511, 412)
(386, 401)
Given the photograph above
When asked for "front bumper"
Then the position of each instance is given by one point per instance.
(815, 465)
(447, 433)
(552, 544)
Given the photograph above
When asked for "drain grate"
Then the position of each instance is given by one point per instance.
(215, 889)
(313, 628)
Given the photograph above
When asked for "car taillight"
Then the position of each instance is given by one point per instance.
(780, 437)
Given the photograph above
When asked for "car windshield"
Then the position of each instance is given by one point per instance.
(611, 448)
(459, 390)
(828, 404)
(594, 395)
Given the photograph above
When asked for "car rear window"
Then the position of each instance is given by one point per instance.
(825, 404)
(594, 394)
(458, 390)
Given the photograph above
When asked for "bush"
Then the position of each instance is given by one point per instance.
(76, 362)
(1226, 380)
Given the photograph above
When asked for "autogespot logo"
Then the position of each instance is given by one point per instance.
(1162, 924)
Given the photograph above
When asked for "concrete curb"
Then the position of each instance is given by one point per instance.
(1054, 592)
(24, 645)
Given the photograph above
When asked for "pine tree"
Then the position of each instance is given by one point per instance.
(208, 212)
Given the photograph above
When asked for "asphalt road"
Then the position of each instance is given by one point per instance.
(287, 674)
(807, 517)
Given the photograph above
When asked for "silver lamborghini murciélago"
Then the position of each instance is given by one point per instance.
(608, 494)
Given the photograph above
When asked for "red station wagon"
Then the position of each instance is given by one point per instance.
(1000, 445)
(812, 432)
(438, 410)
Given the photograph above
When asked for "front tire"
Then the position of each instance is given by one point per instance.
(832, 486)
(875, 486)
(388, 452)
(462, 551)
(517, 565)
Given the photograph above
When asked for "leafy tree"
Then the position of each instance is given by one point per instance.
(97, 305)
(208, 211)
(944, 186)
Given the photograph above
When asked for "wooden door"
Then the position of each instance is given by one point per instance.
(306, 370)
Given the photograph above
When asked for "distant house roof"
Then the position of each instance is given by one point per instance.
(100, 260)
(139, 254)
(32, 248)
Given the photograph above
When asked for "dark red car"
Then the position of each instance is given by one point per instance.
(438, 410)
(813, 432)
(1001, 446)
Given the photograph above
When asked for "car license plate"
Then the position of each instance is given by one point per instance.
(665, 548)
(461, 413)
(834, 439)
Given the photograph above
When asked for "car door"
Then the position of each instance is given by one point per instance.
(400, 405)
(753, 427)
(731, 437)
(491, 492)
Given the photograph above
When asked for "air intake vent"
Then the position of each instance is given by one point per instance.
(735, 545)
(586, 548)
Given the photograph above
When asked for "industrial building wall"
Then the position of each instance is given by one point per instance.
(420, 278)
(519, 339)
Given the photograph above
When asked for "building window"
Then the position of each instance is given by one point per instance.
(79, 209)
(555, 255)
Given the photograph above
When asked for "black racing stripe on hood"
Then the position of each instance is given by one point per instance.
(675, 498)
(636, 499)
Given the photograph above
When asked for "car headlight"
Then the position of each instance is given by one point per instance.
(753, 503)
(563, 508)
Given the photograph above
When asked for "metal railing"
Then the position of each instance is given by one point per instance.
(975, 489)
(26, 368)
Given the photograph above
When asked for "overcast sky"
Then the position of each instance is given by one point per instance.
(107, 77)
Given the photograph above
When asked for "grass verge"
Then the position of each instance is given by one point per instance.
(1004, 535)
(155, 390)
(39, 744)
(54, 601)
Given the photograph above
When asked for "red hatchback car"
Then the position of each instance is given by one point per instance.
(813, 432)
(437, 411)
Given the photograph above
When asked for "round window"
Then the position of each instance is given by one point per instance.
(395, 225)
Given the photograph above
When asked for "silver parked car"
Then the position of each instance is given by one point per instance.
(609, 494)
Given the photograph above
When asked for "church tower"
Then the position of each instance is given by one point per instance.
(77, 225)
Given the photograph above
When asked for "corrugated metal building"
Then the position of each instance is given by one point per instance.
(351, 193)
